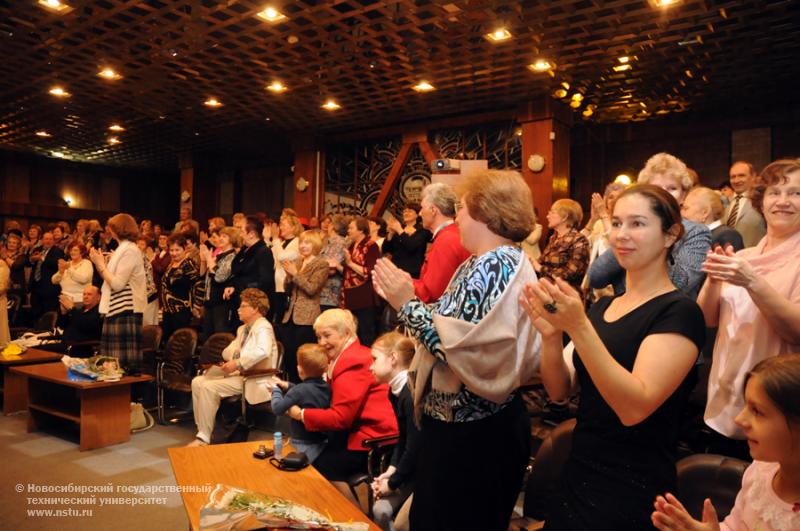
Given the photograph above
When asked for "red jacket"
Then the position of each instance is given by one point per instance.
(359, 404)
(443, 258)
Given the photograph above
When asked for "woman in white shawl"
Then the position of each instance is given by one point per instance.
(475, 348)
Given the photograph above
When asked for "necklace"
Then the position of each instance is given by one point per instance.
(639, 300)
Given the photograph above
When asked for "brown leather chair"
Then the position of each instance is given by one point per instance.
(211, 351)
(151, 340)
(717, 477)
(175, 370)
(546, 471)
(46, 323)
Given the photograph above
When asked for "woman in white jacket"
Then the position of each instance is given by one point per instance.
(74, 274)
(123, 296)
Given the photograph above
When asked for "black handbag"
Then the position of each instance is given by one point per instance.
(293, 462)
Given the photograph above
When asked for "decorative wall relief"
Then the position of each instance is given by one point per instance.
(355, 173)
(355, 176)
(498, 143)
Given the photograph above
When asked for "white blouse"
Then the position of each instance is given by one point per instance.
(74, 279)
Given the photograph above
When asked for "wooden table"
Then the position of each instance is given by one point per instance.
(234, 465)
(101, 410)
(15, 386)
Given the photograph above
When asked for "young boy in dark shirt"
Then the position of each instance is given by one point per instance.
(312, 392)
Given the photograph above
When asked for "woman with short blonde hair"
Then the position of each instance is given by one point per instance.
(305, 278)
(663, 166)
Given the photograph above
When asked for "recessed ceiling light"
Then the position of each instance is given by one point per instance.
(270, 14)
(623, 179)
(331, 105)
(43, 134)
(624, 59)
(113, 140)
(577, 97)
(423, 86)
(116, 127)
(542, 65)
(56, 6)
(498, 35)
(212, 102)
(664, 3)
(276, 87)
(57, 154)
(60, 92)
(559, 93)
(622, 67)
(110, 74)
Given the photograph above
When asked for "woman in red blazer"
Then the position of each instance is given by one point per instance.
(360, 407)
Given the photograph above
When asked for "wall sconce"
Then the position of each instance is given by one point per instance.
(301, 184)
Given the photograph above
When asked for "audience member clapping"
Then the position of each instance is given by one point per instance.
(753, 296)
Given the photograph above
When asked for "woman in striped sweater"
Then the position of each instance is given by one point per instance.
(123, 296)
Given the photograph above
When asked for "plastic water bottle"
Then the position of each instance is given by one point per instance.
(277, 445)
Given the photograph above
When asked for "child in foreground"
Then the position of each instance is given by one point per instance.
(391, 357)
(770, 495)
(312, 392)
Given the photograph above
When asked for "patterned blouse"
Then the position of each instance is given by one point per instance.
(475, 288)
(566, 257)
(332, 291)
(358, 291)
(181, 287)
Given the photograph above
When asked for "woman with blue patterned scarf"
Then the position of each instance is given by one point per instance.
(474, 350)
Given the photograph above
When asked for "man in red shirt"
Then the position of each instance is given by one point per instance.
(438, 210)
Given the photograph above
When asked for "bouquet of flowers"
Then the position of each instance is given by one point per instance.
(98, 368)
(231, 508)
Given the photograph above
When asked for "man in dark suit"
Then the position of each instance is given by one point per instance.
(44, 294)
(79, 324)
(252, 267)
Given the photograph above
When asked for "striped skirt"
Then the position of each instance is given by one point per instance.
(122, 334)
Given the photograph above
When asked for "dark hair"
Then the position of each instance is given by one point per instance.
(775, 173)
(15, 232)
(361, 224)
(381, 225)
(81, 247)
(178, 239)
(780, 377)
(191, 236)
(340, 223)
(662, 204)
(254, 224)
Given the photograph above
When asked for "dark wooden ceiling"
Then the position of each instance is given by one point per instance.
(367, 55)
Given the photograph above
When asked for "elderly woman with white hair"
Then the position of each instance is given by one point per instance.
(360, 407)
(476, 347)
(670, 173)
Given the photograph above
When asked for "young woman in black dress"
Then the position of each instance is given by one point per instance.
(633, 353)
